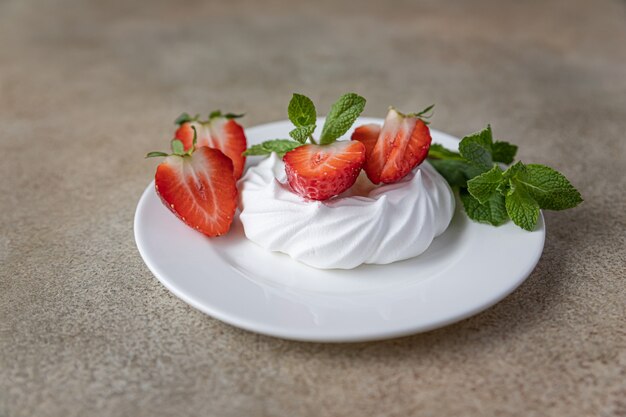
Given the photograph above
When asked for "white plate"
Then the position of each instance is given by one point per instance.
(466, 270)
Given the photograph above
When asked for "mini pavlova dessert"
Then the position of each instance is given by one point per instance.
(318, 206)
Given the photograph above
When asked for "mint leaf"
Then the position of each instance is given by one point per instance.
(514, 170)
(454, 171)
(301, 110)
(280, 146)
(550, 189)
(451, 165)
(341, 116)
(302, 133)
(476, 149)
(503, 152)
(486, 184)
(480, 150)
(522, 207)
(438, 151)
(493, 211)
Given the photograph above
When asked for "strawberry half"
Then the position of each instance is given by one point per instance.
(199, 188)
(368, 135)
(220, 132)
(397, 148)
(318, 172)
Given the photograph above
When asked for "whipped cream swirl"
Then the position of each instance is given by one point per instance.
(366, 224)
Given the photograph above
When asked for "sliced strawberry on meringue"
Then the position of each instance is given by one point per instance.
(395, 149)
(318, 172)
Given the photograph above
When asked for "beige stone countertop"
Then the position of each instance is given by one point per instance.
(88, 87)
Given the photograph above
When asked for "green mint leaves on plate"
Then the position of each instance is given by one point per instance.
(491, 194)
(302, 114)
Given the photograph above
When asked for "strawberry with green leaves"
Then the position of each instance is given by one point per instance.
(319, 170)
(198, 186)
(220, 131)
(395, 149)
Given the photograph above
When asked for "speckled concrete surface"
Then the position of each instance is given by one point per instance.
(86, 88)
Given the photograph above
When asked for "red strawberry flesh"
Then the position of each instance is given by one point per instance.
(402, 144)
(318, 172)
(200, 189)
(368, 136)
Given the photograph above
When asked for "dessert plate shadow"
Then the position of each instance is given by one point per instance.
(466, 270)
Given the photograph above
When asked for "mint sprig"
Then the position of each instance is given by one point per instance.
(303, 115)
(492, 195)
